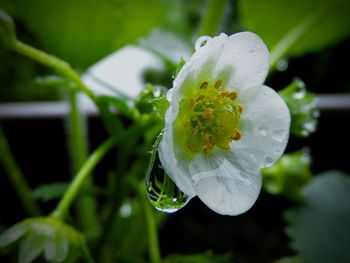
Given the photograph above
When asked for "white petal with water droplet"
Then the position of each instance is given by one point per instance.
(222, 185)
(265, 124)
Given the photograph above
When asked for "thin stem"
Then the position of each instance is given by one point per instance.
(53, 62)
(153, 242)
(16, 177)
(86, 204)
(294, 35)
(213, 17)
(62, 208)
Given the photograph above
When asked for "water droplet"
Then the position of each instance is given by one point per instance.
(262, 131)
(300, 91)
(202, 41)
(278, 134)
(162, 192)
(282, 65)
(125, 210)
(268, 160)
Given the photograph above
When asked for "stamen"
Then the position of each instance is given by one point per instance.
(237, 136)
(208, 113)
(208, 147)
(218, 83)
(224, 93)
(204, 85)
(232, 95)
(239, 108)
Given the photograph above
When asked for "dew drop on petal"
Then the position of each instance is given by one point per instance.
(201, 41)
(268, 160)
(262, 131)
(278, 134)
(162, 192)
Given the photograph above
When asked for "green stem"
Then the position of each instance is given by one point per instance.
(294, 35)
(86, 204)
(53, 62)
(62, 208)
(213, 17)
(16, 178)
(153, 242)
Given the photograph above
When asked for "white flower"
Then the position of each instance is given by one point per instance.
(223, 125)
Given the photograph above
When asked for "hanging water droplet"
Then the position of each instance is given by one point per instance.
(202, 41)
(262, 131)
(162, 192)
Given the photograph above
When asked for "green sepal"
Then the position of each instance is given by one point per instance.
(179, 66)
(45, 237)
(162, 105)
(302, 106)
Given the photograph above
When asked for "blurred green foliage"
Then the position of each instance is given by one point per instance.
(46, 237)
(320, 228)
(273, 19)
(83, 31)
(288, 175)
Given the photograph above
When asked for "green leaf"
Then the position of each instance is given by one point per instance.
(320, 228)
(49, 192)
(207, 257)
(84, 31)
(309, 24)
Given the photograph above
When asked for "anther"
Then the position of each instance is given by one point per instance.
(239, 108)
(236, 136)
(224, 93)
(232, 95)
(218, 83)
(204, 85)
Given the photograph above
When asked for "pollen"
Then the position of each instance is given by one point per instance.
(208, 118)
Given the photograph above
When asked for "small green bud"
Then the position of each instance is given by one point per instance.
(151, 99)
(7, 30)
(288, 175)
(302, 106)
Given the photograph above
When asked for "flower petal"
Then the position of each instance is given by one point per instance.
(265, 124)
(222, 184)
(175, 167)
(247, 55)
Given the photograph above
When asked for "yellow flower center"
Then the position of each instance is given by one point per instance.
(208, 117)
